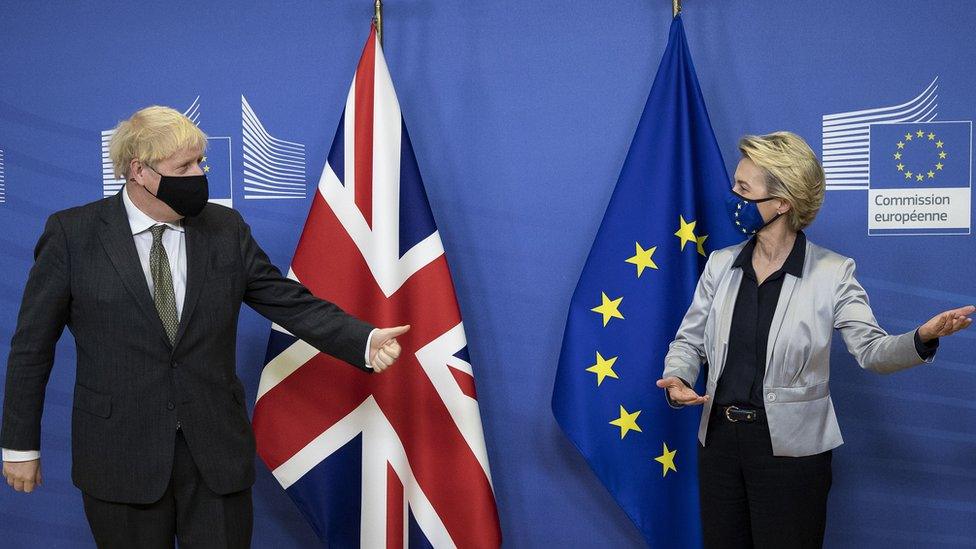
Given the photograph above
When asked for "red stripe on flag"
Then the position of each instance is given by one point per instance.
(364, 128)
(465, 381)
(394, 510)
(321, 392)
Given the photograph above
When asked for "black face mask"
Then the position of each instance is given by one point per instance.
(187, 195)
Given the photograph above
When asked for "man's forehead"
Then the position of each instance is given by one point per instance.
(183, 155)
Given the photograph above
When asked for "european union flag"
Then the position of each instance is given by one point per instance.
(665, 215)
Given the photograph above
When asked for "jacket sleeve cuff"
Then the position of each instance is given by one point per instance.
(926, 351)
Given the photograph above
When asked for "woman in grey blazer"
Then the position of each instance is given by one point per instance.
(762, 317)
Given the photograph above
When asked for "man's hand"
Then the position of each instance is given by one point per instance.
(946, 323)
(383, 347)
(23, 476)
(680, 393)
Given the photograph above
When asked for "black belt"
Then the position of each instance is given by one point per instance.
(734, 414)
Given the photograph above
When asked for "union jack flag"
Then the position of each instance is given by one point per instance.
(386, 460)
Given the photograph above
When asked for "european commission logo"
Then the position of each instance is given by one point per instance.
(217, 163)
(917, 170)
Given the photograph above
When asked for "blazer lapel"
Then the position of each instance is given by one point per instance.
(197, 255)
(785, 295)
(727, 305)
(116, 237)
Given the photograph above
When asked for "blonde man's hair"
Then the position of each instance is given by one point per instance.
(792, 173)
(150, 135)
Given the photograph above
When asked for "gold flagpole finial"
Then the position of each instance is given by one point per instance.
(378, 20)
(675, 7)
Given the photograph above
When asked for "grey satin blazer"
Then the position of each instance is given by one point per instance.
(795, 387)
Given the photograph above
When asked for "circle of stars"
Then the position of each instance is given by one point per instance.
(919, 136)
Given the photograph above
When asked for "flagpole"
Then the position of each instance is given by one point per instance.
(378, 20)
(675, 7)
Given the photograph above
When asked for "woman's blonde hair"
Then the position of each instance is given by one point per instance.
(153, 134)
(792, 172)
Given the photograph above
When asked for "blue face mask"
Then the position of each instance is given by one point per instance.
(745, 214)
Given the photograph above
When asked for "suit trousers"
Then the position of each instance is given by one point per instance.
(188, 512)
(751, 498)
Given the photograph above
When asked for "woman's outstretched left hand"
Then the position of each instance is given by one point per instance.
(946, 323)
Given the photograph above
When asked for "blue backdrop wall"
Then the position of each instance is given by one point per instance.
(521, 114)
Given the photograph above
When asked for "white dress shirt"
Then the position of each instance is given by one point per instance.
(174, 242)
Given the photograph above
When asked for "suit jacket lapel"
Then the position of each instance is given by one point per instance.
(116, 238)
(727, 305)
(197, 255)
(785, 295)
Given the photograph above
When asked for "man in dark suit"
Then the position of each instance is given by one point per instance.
(150, 284)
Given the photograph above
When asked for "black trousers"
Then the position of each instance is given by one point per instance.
(751, 498)
(188, 512)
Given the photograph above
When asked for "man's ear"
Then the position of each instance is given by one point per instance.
(135, 168)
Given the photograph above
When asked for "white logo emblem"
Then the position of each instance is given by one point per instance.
(273, 168)
(917, 171)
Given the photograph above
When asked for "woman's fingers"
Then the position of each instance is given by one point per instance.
(685, 395)
(679, 392)
(695, 399)
(948, 322)
(964, 311)
(960, 323)
(667, 382)
(951, 325)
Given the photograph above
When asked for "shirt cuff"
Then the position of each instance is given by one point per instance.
(21, 455)
(925, 350)
(369, 341)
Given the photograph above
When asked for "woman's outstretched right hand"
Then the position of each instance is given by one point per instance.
(681, 393)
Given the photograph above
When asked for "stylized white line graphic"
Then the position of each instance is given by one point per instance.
(273, 168)
(847, 137)
(193, 112)
(3, 181)
(110, 185)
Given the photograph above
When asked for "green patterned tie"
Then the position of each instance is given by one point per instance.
(162, 278)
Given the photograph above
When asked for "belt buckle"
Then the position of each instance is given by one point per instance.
(729, 416)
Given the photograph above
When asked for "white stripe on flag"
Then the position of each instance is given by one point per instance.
(386, 174)
(434, 358)
(380, 446)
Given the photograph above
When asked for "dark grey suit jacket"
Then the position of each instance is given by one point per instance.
(132, 384)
